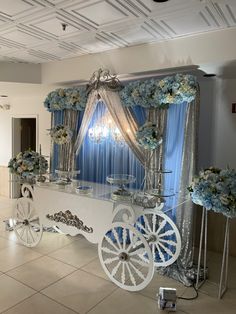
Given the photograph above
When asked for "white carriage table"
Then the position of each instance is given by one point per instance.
(131, 240)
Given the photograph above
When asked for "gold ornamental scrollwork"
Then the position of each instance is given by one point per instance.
(70, 220)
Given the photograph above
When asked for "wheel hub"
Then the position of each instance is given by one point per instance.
(123, 256)
(26, 222)
(152, 238)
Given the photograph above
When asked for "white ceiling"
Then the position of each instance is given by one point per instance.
(31, 30)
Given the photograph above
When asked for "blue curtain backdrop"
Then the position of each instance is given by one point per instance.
(97, 161)
(173, 154)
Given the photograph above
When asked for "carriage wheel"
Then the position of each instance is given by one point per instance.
(26, 222)
(120, 257)
(162, 235)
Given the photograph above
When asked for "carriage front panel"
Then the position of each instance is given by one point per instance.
(94, 216)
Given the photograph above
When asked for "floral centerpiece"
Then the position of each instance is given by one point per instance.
(215, 189)
(160, 93)
(68, 98)
(148, 136)
(61, 134)
(28, 164)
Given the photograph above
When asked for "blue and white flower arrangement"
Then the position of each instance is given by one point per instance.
(148, 136)
(61, 134)
(69, 98)
(215, 189)
(160, 93)
(28, 164)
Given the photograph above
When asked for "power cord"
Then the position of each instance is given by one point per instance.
(192, 298)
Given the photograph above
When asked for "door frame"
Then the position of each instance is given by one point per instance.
(14, 187)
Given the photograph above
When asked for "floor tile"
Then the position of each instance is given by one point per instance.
(158, 281)
(9, 235)
(52, 241)
(41, 272)
(204, 304)
(77, 254)
(12, 292)
(39, 304)
(80, 291)
(95, 268)
(16, 255)
(126, 302)
(5, 243)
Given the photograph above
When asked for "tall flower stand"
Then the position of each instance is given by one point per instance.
(223, 284)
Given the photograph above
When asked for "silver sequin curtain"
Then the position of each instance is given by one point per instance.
(154, 159)
(182, 270)
(66, 155)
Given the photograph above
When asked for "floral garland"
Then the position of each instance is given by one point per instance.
(215, 189)
(28, 164)
(160, 94)
(61, 134)
(69, 98)
(148, 136)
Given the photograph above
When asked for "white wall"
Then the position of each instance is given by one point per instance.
(217, 124)
(206, 123)
(23, 103)
(225, 125)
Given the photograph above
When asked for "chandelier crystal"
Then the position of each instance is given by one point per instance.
(105, 129)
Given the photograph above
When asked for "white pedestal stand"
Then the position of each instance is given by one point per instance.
(225, 256)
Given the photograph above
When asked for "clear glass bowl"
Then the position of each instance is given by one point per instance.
(120, 179)
(84, 190)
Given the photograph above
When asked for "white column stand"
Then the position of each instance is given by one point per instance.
(225, 256)
(202, 234)
(225, 262)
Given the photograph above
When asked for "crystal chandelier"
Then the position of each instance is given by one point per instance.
(105, 128)
(98, 133)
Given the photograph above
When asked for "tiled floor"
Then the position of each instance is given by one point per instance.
(63, 275)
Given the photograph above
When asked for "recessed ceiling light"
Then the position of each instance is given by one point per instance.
(209, 75)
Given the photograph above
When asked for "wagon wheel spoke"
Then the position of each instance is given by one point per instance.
(147, 223)
(19, 226)
(111, 260)
(131, 276)
(137, 271)
(140, 262)
(34, 218)
(139, 225)
(165, 241)
(160, 253)
(123, 274)
(26, 223)
(115, 269)
(120, 260)
(170, 242)
(154, 223)
(116, 237)
(162, 225)
(167, 233)
(107, 250)
(20, 211)
(109, 240)
(166, 249)
(124, 237)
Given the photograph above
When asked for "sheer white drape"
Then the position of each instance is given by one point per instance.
(121, 115)
(124, 121)
(88, 113)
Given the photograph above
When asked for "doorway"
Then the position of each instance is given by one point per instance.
(24, 137)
